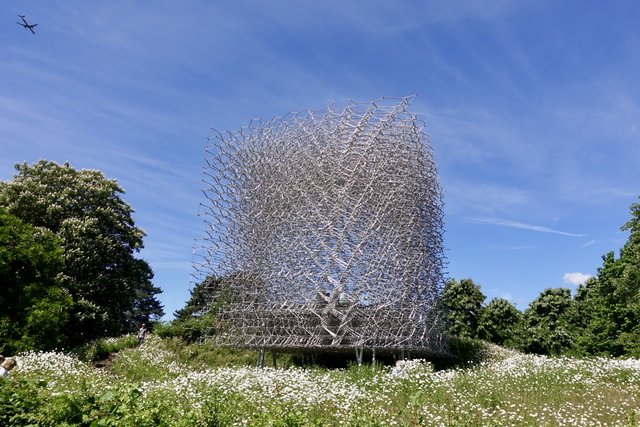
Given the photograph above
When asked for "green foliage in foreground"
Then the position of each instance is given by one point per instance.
(33, 308)
(154, 384)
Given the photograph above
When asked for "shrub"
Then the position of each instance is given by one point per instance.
(102, 347)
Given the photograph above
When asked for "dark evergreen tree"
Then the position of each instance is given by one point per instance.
(146, 307)
(197, 318)
(201, 298)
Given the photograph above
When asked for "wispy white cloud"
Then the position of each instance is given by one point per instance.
(376, 20)
(480, 139)
(589, 243)
(576, 278)
(485, 198)
(523, 226)
(513, 248)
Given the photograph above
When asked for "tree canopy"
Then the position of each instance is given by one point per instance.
(200, 299)
(111, 288)
(547, 325)
(34, 309)
(608, 305)
(499, 322)
(463, 301)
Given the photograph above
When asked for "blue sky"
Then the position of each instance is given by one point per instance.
(532, 109)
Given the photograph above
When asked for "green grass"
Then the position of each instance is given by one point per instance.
(166, 382)
(101, 348)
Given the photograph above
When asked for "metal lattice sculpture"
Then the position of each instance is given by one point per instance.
(326, 227)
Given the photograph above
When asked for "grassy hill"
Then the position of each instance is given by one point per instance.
(165, 382)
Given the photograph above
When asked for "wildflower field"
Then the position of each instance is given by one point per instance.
(153, 385)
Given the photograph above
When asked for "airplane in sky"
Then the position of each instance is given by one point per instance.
(25, 24)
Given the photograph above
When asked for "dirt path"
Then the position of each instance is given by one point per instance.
(107, 362)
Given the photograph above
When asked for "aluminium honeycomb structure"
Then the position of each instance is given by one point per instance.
(324, 231)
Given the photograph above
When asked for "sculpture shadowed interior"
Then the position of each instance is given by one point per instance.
(326, 227)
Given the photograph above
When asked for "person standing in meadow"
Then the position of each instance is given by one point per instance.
(142, 333)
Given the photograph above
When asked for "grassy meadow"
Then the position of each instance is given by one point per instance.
(168, 383)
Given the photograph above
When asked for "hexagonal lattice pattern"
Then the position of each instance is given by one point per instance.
(326, 226)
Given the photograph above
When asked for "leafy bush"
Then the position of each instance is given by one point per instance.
(34, 308)
(191, 329)
(19, 400)
(101, 348)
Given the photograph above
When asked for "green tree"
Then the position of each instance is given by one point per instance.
(99, 239)
(499, 322)
(34, 309)
(201, 297)
(463, 306)
(146, 306)
(198, 317)
(547, 327)
(608, 305)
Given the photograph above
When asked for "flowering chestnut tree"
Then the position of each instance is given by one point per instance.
(111, 288)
